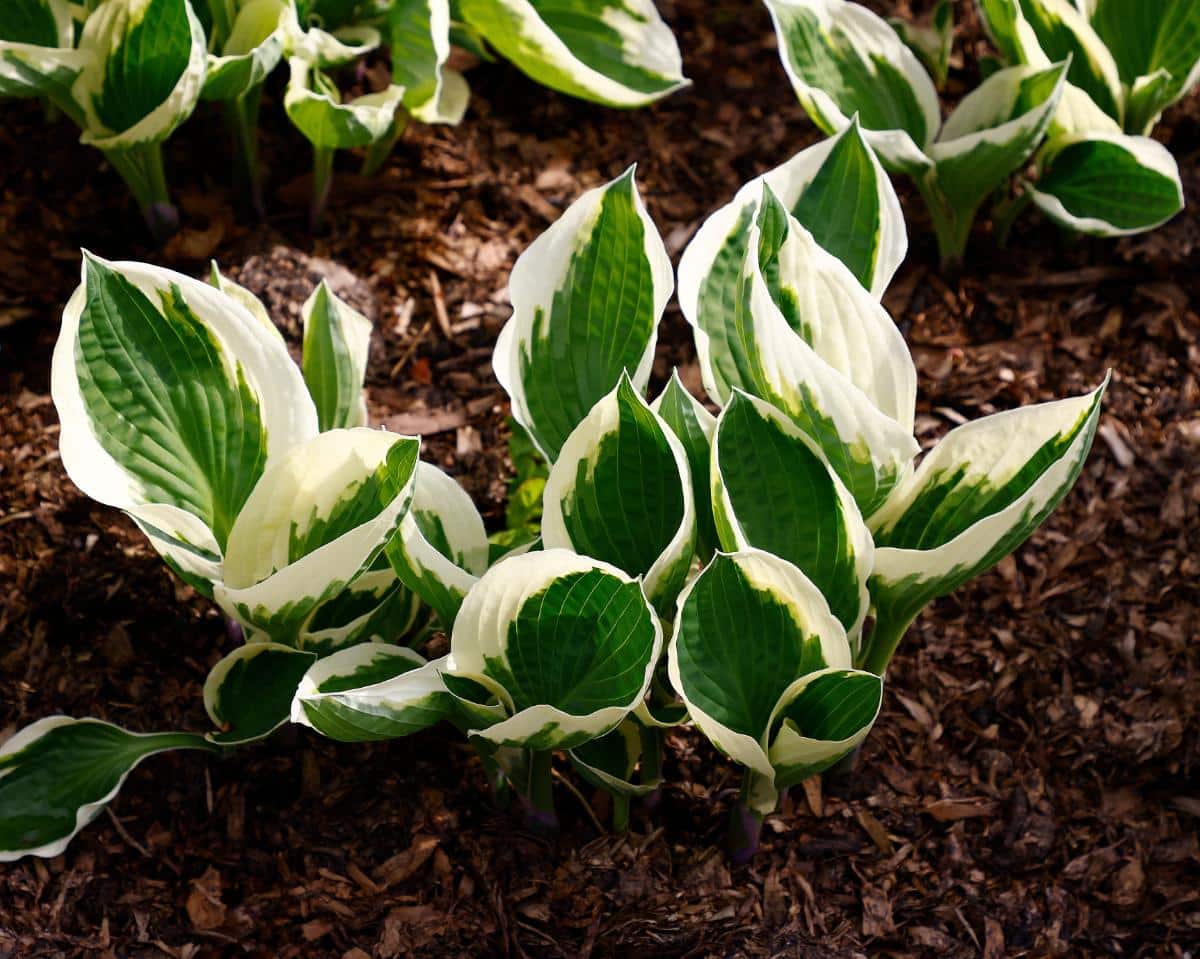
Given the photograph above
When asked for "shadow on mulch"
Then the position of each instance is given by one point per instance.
(1029, 789)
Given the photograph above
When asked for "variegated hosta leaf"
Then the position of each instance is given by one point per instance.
(1109, 184)
(773, 490)
(243, 296)
(172, 398)
(248, 694)
(371, 692)
(419, 34)
(314, 105)
(994, 131)
(587, 296)
(975, 498)
(823, 303)
(249, 53)
(693, 426)
(758, 352)
(641, 517)
(336, 341)
(616, 52)
(749, 627)
(323, 41)
(843, 60)
(376, 606)
(1156, 46)
(932, 43)
(57, 774)
(836, 189)
(568, 644)
(1058, 31)
(820, 719)
(442, 548)
(145, 69)
(36, 48)
(610, 762)
(317, 519)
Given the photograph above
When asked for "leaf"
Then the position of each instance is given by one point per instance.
(932, 43)
(773, 490)
(567, 643)
(144, 73)
(615, 52)
(313, 105)
(621, 492)
(372, 692)
(1109, 184)
(57, 775)
(42, 23)
(249, 54)
(975, 498)
(832, 313)
(419, 35)
(376, 606)
(171, 396)
(247, 299)
(843, 60)
(611, 761)
(693, 426)
(836, 189)
(822, 718)
(36, 55)
(762, 355)
(994, 131)
(317, 519)
(336, 341)
(747, 628)
(442, 548)
(321, 48)
(248, 694)
(587, 296)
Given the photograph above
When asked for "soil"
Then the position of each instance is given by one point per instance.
(1030, 788)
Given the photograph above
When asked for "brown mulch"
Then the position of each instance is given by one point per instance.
(1030, 789)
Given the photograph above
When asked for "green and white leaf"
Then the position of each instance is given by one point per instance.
(931, 43)
(994, 131)
(372, 692)
(419, 34)
(248, 694)
(145, 68)
(172, 395)
(315, 522)
(977, 495)
(773, 489)
(748, 627)
(616, 52)
(568, 644)
(842, 60)
(323, 49)
(1156, 46)
(822, 717)
(376, 607)
(587, 296)
(336, 340)
(611, 762)
(243, 296)
(825, 304)
(57, 774)
(1109, 184)
(442, 548)
(37, 55)
(693, 426)
(761, 354)
(836, 189)
(314, 106)
(641, 519)
(250, 53)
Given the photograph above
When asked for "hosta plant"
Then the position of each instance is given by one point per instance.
(845, 62)
(128, 74)
(258, 483)
(1099, 172)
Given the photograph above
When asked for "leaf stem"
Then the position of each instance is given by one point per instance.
(540, 814)
(880, 646)
(745, 823)
(620, 813)
(951, 227)
(1005, 213)
(322, 181)
(379, 151)
(241, 117)
(141, 167)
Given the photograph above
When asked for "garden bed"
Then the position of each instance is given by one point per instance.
(1030, 788)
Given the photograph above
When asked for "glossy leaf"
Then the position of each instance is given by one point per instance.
(248, 694)
(336, 341)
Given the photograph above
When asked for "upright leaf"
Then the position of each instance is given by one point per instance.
(36, 50)
(314, 106)
(621, 492)
(419, 34)
(693, 426)
(336, 341)
(587, 297)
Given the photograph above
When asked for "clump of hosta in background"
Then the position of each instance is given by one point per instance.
(129, 72)
(845, 61)
(714, 568)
